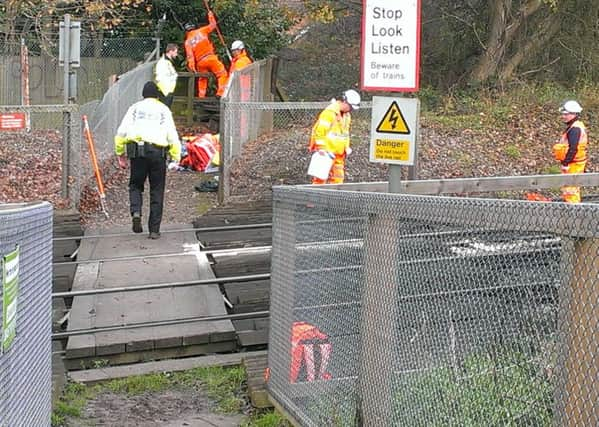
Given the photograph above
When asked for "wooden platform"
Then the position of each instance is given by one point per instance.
(180, 261)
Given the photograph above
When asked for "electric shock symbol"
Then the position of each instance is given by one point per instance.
(393, 121)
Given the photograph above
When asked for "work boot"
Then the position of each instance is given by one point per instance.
(136, 220)
(154, 235)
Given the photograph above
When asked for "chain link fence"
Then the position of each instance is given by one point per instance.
(55, 132)
(249, 116)
(413, 310)
(100, 59)
(25, 367)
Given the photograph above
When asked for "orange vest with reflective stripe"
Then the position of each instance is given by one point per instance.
(581, 152)
(197, 44)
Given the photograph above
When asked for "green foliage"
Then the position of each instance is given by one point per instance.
(552, 170)
(504, 388)
(513, 151)
(262, 25)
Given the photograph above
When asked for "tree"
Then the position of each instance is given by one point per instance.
(261, 24)
(516, 31)
(39, 19)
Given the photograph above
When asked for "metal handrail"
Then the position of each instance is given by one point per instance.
(197, 230)
(241, 316)
(200, 282)
(154, 256)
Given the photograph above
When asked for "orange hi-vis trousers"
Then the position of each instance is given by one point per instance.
(211, 63)
(303, 339)
(571, 193)
(337, 174)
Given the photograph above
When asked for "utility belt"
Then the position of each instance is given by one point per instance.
(145, 149)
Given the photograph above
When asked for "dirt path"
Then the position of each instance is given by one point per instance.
(186, 407)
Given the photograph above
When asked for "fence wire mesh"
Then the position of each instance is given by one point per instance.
(55, 132)
(26, 368)
(407, 310)
(100, 59)
(287, 125)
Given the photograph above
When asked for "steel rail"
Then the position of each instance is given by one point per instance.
(200, 282)
(199, 229)
(86, 331)
(136, 257)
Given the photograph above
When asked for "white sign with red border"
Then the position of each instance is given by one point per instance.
(390, 45)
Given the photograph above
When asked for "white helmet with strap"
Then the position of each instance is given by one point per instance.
(571, 106)
(237, 44)
(352, 98)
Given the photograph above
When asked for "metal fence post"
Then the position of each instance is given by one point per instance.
(579, 337)
(377, 354)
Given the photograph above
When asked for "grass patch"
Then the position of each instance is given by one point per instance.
(71, 403)
(137, 385)
(270, 418)
(223, 385)
(513, 151)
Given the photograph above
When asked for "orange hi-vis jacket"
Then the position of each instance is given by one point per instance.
(331, 131)
(240, 61)
(581, 150)
(197, 43)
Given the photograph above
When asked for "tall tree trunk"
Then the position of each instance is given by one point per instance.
(495, 46)
(504, 27)
(550, 28)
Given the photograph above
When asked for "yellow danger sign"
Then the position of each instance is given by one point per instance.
(393, 121)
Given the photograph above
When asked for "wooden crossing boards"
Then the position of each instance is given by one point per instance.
(180, 261)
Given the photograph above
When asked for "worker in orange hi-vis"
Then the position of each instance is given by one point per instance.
(330, 135)
(571, 151)
(304, 337)
(240, 60)
(201, 58)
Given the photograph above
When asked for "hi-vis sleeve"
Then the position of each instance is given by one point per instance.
(321, 129)
(120, 139)
(174, 144)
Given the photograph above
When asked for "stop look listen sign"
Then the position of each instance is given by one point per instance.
(390, 45)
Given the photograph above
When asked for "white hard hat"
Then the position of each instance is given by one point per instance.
(237, 44)
(571, 107)
(352, 98)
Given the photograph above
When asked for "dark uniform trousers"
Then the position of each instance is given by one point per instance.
(151, 165)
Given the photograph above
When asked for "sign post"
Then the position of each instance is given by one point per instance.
(391, 45)
(69, 56)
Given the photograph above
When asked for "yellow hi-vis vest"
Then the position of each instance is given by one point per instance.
(331, 131)
(165, 76)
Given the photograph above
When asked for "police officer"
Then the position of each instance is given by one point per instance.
(147, 135)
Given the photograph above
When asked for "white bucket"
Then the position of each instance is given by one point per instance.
(320, 165)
